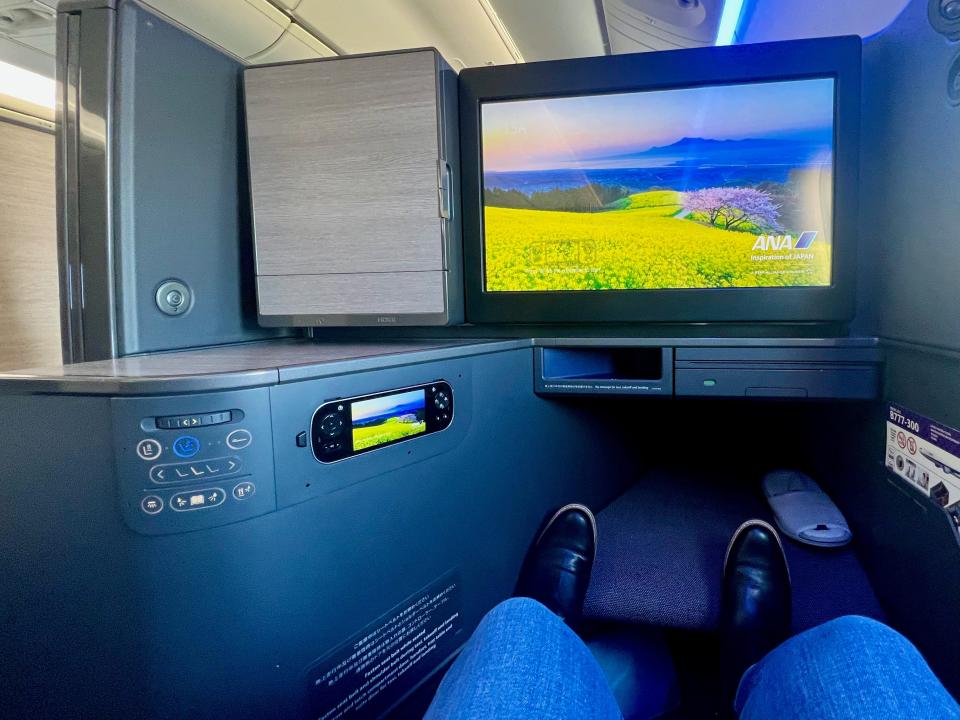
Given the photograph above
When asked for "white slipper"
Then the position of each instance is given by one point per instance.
(803, 511)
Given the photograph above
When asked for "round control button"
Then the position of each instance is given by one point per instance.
(441, 400)
(151, 504)
(186, 446)
(331, 425)
(244, 490)
(239, 439)
(173, 297)
(149, 449)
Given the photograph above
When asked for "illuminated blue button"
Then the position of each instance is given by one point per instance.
(186, 446)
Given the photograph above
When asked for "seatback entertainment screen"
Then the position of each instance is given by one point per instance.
(702, 187)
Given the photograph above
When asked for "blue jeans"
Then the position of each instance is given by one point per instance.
(523, 662)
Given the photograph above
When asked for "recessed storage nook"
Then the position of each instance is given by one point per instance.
(815, 369)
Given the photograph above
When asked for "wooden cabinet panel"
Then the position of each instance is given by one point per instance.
(29, 282)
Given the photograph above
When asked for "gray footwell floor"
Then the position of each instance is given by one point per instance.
(661, 549)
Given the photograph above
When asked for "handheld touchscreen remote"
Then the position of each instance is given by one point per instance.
(347, 427)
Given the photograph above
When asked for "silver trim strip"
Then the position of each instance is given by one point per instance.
(86, 41)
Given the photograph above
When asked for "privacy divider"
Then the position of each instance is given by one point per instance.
(154, 224)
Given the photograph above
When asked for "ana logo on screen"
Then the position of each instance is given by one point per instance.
(785, 242)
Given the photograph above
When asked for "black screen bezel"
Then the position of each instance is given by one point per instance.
(836, 58)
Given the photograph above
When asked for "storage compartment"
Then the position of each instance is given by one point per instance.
(834, 373)
(604, 370)
(354, 181)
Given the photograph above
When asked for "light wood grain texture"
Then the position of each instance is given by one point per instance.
(343, 165)
(356, 293)
(29, 281)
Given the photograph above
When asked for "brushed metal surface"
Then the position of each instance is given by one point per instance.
(29, 279)
(343, 165)
(267, 355)
(246, 365)
(389, 293)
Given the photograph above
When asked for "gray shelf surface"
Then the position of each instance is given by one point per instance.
(238, 366)
(273, 362)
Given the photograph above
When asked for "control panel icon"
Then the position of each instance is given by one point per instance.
(186, 446)
(244, 490)
(149, 449)
(197, 499)
(332, 424)
(151, 504)
(239, 439)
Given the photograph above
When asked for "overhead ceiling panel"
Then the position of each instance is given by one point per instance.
(464, 31)
(26, 56)
(28, 34)
(295, 44)
(552, 29)
(644, 25)
(242, 27)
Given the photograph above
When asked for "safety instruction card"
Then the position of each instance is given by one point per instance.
(926, 454)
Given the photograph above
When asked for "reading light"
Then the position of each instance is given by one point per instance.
(25, 85)
(729, 20)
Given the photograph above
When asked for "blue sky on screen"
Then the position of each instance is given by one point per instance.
(375, 407)
(598, 131)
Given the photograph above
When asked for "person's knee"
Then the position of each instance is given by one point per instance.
(517, 614)
(851, 630)
(517, 608)
(858, 625)
(849, 657)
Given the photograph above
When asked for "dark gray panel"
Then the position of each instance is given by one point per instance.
(181, 192)
(925, 380)
(906, 542)
(762, 381)
(68, 572)
(909, 209)
(799, 354)
(103, 622)
(302, 477)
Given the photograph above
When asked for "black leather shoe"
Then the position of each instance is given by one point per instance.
(557, 569)
(755, 610)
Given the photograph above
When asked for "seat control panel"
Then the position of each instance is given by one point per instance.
(186, 464)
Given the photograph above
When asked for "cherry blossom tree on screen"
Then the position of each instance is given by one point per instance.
(731, 207)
